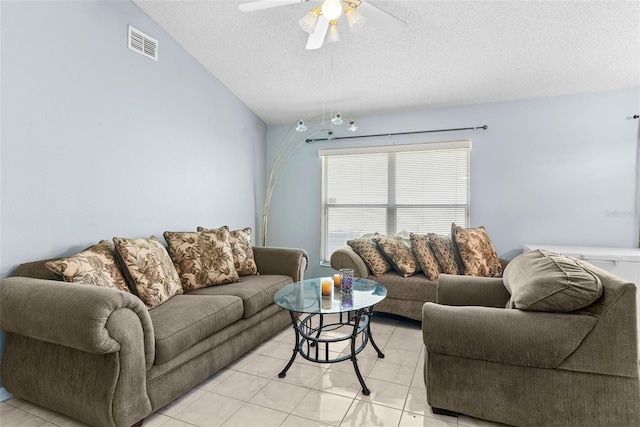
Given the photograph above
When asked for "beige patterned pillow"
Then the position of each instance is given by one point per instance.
(148, 268)
(443, 250)
(95, 266)
(424, 255)
(201, 259)
(243, 259)
(477, 252)
(398, 251)
(368, 250)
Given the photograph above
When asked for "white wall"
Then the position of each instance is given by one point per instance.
(98, 141)
(546, 171)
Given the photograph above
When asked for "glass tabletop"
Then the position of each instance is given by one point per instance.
(305, 297)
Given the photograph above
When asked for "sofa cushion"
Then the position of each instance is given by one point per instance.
(242, 251)
(546, 281)
(476, 251)
(201, 259)
(368, 250)
(185, 320)
(444, 251)
(414, 288)
(397, 250)
(257, 292)
(424, 255)
(95, 266)
(148, 269)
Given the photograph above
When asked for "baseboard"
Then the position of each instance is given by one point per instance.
(4, 394)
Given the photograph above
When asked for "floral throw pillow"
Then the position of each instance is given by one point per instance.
(444, 251)
(398, 252)
(201, 259)
(477, 252)
(367, 249)
(148, 268)
(424, 255)
(243, 259)
(95, 266)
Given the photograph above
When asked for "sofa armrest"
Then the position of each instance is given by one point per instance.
(69, 314)
(468, 290)
(285, 261)
(514, 337)
(345, 257)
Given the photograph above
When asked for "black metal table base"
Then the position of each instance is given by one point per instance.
(310, 341)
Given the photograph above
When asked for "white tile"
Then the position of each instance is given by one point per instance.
(417, 403)
(365, 364)
(280, 350)
(280, 396)
(385, 393)
(418, 378)
(264, 366)
(241, 386)
(324, 407)
(174, 423)
(295, 421)
(210, 410)
(341, 383)
(33, 409)
(252, 415)
(303, 375)
(367, 414)
(286, 335)
(402, 356)
(416, 420)
(392, 372)
(65, 421)
(215, 379)
(12, 416)
(401, 342)
(182, 402)
(466, 421)
(155, 420)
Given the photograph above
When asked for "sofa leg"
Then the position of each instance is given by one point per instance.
(139, 423)
(440, 411)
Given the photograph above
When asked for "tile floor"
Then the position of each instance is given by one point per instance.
(249, 392)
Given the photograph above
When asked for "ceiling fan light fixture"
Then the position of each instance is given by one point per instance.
(309, 21)
(354, 19)
(331, 9)
(301, 126)
(353, 126)
(334, 36)
(337, 120)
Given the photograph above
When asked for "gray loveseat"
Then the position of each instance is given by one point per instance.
(533, 368)
(100, 356)
(405, 295)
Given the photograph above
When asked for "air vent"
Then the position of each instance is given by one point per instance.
(143, 44)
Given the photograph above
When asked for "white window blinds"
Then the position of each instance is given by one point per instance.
(421, 188)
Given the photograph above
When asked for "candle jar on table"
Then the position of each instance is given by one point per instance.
(327, 286)
(337, 280)
(347, 281)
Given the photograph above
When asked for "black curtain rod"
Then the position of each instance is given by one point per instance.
(398, 133)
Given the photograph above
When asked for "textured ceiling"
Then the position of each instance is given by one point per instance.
(450, 53)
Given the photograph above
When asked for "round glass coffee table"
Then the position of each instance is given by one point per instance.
(322, 323)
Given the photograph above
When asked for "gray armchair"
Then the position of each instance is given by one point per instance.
(532, 368)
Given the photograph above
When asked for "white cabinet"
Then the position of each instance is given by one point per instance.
(623, 262)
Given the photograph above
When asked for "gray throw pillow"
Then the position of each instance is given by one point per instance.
(546, 281)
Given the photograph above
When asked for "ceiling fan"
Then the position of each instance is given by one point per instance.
(323, 19)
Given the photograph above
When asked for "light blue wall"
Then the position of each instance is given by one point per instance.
(546, 171)
(98, 141)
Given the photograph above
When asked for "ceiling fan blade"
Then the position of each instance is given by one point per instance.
(266, 4)
(380, 18)
(316, 39)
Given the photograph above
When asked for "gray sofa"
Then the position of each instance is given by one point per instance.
(405, 295)
(532, 368)
(98, 355)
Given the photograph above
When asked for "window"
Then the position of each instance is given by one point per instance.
(421, 188)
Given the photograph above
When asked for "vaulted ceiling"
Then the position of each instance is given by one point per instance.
(450, 53)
